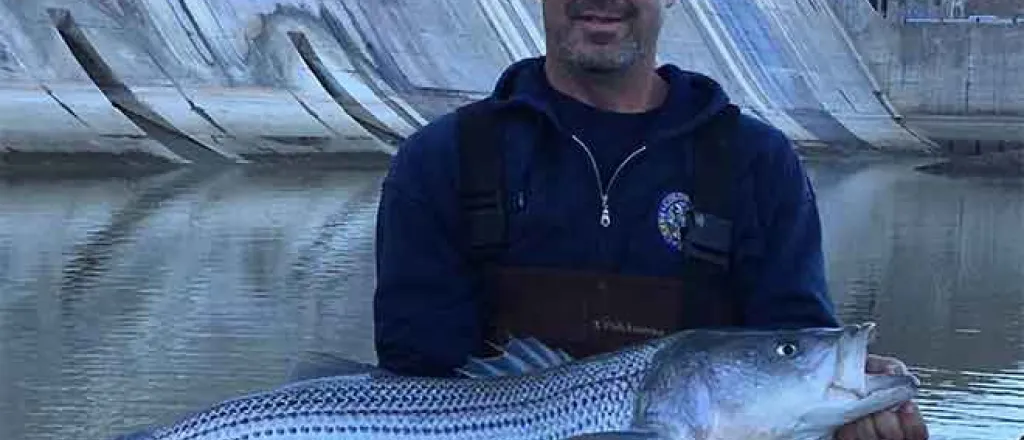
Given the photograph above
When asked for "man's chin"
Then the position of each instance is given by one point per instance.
(601, 60)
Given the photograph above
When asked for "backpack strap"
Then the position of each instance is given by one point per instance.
(709, 237)
(482, 177)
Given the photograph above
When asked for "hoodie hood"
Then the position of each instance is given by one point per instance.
(692, 98)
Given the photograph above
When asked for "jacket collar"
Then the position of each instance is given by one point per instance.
(692, 100)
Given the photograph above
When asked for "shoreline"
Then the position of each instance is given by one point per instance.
(134, 164)
(997, 165)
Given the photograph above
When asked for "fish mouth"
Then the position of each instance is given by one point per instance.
(877, 383)
(869, 393)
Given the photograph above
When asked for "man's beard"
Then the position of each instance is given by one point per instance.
(609, 59)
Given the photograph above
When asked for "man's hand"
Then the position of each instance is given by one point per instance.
(902, 423)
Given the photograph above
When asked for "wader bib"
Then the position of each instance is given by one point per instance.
(586, 313)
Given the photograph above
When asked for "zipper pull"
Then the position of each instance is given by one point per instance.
(606, 217)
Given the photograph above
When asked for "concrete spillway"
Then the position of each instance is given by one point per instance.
(955, 80)
(189, 80)
(203, 80)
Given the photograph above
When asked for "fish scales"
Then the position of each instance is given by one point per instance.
(786, 384)
(565, 401)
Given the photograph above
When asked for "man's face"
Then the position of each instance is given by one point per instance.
(602, 35)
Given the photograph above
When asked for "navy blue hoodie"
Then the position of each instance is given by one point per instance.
(426, 302)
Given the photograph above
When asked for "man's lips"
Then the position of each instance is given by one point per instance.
(599, 17)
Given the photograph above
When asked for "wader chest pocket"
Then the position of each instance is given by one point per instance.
(583, 313)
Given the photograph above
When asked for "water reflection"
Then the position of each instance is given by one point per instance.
(127, 301)
(939, 263)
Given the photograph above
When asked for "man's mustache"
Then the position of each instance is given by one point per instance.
(576, 8)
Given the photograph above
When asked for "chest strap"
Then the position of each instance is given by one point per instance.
(481, 183)
(484, 206)
(709, 236)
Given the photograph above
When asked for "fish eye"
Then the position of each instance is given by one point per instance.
(786, 349)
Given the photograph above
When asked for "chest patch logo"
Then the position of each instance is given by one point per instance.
(672, 214)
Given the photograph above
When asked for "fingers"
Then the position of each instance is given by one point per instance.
(887, 426)
(903, 423)
(866, 429)
(877, 364)
(884, 425)
(885, 365)
(898, 367)
(847, 432)
(863, 429)
(913, 422)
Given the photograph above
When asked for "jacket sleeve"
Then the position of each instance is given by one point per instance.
(426, 303)
(786, 284)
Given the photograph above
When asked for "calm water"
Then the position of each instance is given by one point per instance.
(125, 302)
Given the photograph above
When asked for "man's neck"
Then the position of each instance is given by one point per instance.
(636, 90)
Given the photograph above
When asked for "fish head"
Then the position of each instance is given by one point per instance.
(766, 384)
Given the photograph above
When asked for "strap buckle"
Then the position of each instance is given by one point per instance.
(485, 221)
(708, 238)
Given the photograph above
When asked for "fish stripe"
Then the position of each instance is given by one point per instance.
(566, 400)
(693, 382)
(494, 416)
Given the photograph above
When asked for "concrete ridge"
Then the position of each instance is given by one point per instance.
(227, 82)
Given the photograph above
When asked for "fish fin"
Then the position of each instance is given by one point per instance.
(316, 365)
(517, 356)
(617, 435)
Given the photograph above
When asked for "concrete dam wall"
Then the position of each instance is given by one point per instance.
(957, 81)
(192, 80)
(207, 81)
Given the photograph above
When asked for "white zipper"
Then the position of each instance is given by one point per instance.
(606, 216)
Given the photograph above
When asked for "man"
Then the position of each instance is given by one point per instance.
(593, 201)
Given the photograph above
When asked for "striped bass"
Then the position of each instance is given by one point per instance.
(695, 384)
